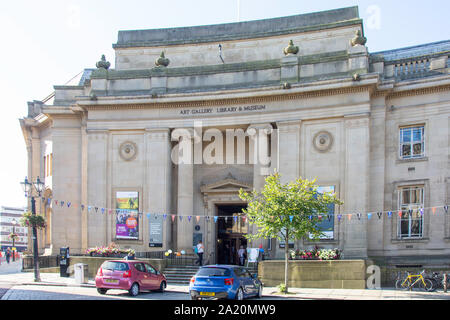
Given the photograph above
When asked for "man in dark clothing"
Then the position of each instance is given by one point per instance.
(8, 255)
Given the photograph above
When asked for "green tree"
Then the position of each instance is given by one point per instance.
(286, 211)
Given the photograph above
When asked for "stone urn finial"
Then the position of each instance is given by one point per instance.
(358, 39)
(162, 60)
(290, 49)
(103, 63)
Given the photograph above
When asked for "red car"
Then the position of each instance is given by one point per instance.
(131, 275)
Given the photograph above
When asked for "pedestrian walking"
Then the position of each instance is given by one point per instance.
(200, 251)
(242, 253)
(8, 254)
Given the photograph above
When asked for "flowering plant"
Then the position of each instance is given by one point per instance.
(31, 220)
(111, 250)
(13, 236)
(319, 254)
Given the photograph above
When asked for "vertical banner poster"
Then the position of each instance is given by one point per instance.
(156, 231)
(326, 225)
(127, 221)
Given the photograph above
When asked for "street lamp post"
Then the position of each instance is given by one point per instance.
(27, 188)
(14, 238)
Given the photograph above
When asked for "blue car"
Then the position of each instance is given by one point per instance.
(224, 282)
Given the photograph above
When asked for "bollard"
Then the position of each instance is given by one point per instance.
(445, 282)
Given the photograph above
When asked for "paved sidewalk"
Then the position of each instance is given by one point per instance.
(54, 279)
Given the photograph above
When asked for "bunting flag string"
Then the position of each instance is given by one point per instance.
(403, 213)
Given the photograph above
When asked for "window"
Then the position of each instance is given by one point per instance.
(412, 142)
(150, 269)
(411, 221)
(113, 265)
(140, 267)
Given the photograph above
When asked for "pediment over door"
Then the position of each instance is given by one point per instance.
(228, 185)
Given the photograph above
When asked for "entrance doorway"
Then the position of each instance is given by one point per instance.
(231, 231)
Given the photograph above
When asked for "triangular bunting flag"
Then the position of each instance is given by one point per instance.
(243, 219)
(358, 215)
(68, 204)
(197, 218)
(389, 214)
(82, 207)
(181, 218)
(329, 216)
(369, 215)
(421, 211)
(56, 202)
(148, 215)
(215, 219)
(173, 218)
(62, 203)
(235, 219)
(339, 217)
(291, 217)
(103, 210)
(434, 210)
(379, 214)
(446, 208)
(310, 217)
(349, 216)
(320, 217)
(164, 216)
(189, 218)
(400, 213)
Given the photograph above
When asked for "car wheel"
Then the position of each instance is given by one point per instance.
(134, 290)
(162, 286)
(101, 290)
(240, 294)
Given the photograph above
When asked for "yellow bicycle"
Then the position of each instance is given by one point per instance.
(412, 280)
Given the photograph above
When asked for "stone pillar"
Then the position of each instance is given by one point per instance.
(84, 184)
(259, 152)
(259, 156)
(289, 150)
(357, 173)
(159, 178)
(183, 156)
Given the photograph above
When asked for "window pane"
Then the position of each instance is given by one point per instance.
(417, 149)
(406, 135)
(406, 150)
(416, 227)
(417, 134)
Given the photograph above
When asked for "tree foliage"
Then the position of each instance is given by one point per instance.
(287, 211)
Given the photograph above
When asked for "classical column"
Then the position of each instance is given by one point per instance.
(259, 152)
(288, 152)
(183, 156)
(259, 146)
(159, 178)
(357, 173)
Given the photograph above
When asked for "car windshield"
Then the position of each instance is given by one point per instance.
(114, 265)
(214, 272)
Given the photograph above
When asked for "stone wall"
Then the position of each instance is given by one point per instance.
(338, 274)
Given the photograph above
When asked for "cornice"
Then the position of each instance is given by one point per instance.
(274, 96)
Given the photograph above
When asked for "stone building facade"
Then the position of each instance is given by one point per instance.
(191, 115)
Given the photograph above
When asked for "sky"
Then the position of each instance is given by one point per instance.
(47, 42)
